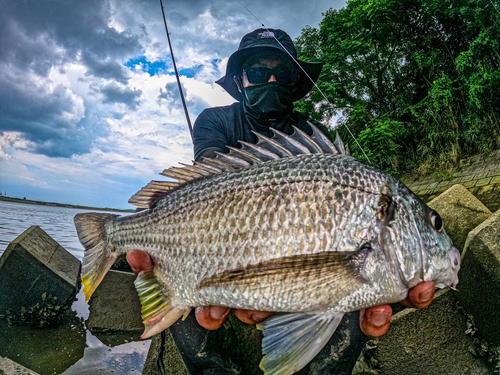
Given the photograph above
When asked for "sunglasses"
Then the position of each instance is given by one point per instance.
(282, 74)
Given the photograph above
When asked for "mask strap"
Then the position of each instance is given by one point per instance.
(239, 83)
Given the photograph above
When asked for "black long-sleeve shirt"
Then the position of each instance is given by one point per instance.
(218, 127)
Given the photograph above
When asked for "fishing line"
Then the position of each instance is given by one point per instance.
(307, 75)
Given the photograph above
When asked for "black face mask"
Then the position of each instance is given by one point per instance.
(269, 100)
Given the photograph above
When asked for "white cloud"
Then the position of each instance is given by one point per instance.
(77, 125)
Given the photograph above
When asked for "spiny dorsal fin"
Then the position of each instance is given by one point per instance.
(279, 146)
(289, 143)
(149, 193)
(259, 152)
(273, 146)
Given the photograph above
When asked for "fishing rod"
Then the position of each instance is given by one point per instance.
(176, 72)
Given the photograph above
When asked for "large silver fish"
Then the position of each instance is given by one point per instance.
(292, 224)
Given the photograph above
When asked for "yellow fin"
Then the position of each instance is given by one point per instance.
(157, 312)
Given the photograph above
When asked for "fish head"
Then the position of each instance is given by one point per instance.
(417, 241)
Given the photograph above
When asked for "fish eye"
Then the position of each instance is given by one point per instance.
(436, 221)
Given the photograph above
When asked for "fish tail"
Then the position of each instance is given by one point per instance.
(157, 311)
(98, 257)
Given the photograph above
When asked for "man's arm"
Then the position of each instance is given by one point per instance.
(209, 135)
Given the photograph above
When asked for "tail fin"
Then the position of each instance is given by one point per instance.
(97, 259)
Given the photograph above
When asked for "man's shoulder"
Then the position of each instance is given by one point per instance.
(225, 110)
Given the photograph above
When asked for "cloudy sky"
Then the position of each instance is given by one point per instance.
(89, 106)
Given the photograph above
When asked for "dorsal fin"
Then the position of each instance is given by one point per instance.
(281, 145)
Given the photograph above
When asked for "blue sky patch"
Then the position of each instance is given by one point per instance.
(189, 72)
(151, 68)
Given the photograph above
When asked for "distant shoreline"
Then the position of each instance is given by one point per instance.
(53, 204)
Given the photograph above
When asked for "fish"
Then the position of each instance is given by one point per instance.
(291, 224)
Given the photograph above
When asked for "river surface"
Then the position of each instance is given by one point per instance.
(69, 348)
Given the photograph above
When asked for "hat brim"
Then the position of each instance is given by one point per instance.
(303, 85)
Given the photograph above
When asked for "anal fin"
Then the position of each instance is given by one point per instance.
(292, 340)
(157, 312)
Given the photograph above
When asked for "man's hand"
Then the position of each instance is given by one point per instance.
(374, 321)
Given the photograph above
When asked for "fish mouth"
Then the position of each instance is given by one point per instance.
(454, 255)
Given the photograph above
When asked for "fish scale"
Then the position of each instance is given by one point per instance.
(310, 235)
(295, 236)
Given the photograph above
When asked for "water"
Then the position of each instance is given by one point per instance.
(69, 348)
(15, 218)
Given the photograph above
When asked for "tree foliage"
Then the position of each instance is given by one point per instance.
(416, 81)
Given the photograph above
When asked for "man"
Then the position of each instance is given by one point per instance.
(265, 77)
(262, 76)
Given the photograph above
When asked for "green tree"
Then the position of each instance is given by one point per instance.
(428, 67)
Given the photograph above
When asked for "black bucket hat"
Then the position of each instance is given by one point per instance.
(261, 40)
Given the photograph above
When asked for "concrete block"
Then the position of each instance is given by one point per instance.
(38, 279)
(479, 286)
(8, 367)
(430, 341)
(115, 305)
(461, 212)
(47, 350)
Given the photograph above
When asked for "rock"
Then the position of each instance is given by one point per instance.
(8, 367)
(47, 350)
(479, 285)
(461, 212)
(427, 341)
(115, 305)
(165, 356)
(38, 279)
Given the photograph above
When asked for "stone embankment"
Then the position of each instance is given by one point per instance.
(480, 175)
(8, 367)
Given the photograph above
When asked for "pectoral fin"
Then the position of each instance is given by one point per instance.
(157, 312)
(339, 270)
(291, 341)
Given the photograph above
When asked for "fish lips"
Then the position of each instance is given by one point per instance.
(454, 255)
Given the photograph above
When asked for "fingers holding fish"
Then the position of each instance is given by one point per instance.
(211, 317)
(375, 321)
(252, 316)
(420, 295)
(139, 261)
